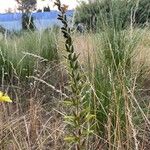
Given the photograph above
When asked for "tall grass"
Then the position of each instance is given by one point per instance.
(114, 80)
(19, 55)
(22, 125)
(107, 84)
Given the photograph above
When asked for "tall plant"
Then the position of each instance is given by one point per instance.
(112, 78)
(79, 117)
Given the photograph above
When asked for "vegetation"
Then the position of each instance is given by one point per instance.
(78, 91)
(19, 55)
(125, 11)
(80, 115)
(26, 7)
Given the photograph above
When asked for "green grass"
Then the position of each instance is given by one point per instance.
(20, 54)
(114, 95)
(109, 79)
(116, 77)
(115, 81)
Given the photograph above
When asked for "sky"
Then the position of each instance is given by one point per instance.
(12, 5)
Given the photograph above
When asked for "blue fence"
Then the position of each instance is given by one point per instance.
(42, 20)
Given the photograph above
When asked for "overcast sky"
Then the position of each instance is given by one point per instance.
(11, 4)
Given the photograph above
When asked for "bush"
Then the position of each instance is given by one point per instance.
(92, 14)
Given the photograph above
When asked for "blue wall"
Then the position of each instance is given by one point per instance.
(42, 20)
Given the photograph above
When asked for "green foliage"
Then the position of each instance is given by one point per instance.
(19, 55)
(79, 118)
(91, 13)
(112, 78)
(87, 13)
(142, 14)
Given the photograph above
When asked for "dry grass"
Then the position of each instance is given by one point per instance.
(31, 122)
(36, 128)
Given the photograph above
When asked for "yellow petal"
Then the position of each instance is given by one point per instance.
(1, 94)
(5, 99)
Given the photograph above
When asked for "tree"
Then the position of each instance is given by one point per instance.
(46, 9)
(39, 10)
(26, 7)
(9, 10)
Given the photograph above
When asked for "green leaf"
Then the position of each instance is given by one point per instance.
(69, 41)
(64, 22)
(74, 58)
(60, 18)
(63, 28)
(70, 56)
(89, 117)
(76, 65)
(67, 47)
(69, 123)
(68, 103)
(78, 77)
(71, 64)
(72, 49)
(69, 117)
(88, 131)
(70, 139)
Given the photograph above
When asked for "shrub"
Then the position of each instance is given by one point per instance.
(91, 13)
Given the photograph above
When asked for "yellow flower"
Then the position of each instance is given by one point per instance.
(4, 97)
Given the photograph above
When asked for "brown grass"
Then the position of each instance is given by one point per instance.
(32, 122)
